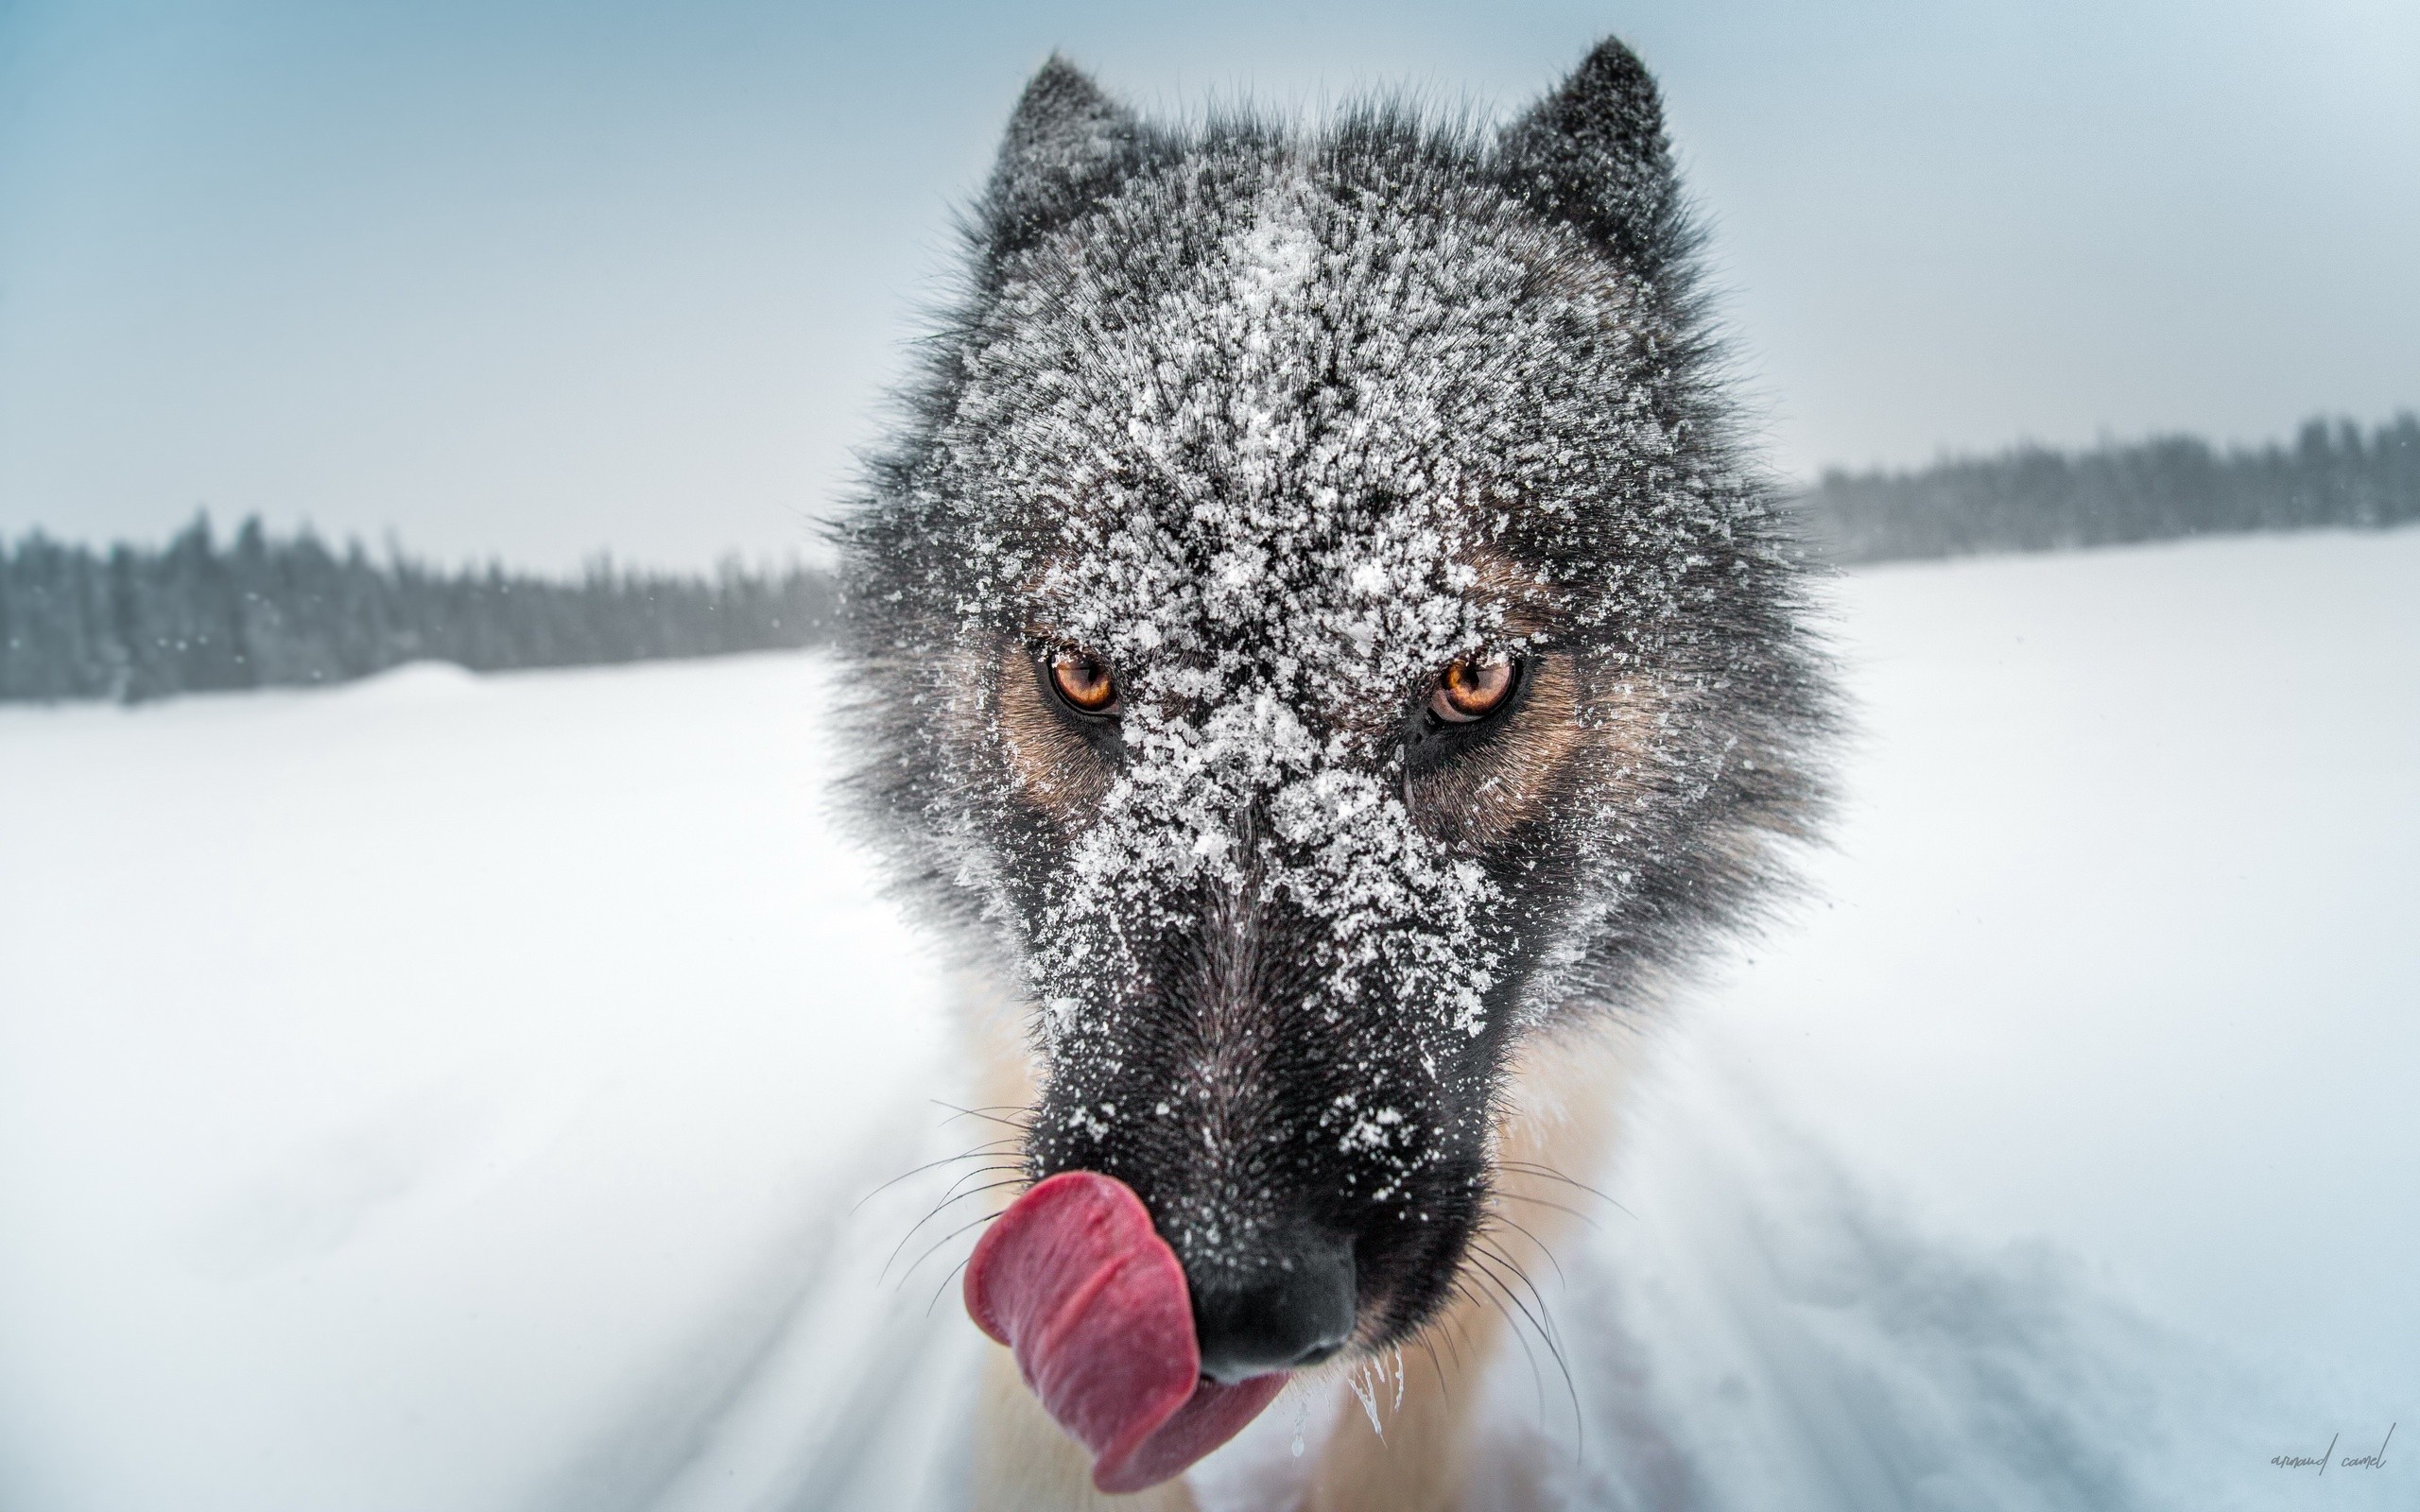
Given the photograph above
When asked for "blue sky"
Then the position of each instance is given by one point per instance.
(534, 280)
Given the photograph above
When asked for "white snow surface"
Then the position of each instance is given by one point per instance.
(449, 1093)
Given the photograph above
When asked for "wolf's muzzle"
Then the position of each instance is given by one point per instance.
(1297, 1311)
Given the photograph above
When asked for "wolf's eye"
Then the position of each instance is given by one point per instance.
(1472, 688)
(1083, 682)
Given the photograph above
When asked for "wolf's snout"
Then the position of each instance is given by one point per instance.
(1296, 1312)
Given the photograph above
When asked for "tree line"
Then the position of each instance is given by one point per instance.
(134, 623)
(2035, 498)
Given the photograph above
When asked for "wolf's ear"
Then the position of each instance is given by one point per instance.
(1594, 153)
(1067, 145)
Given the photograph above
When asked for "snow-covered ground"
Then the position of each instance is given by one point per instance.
(447, 1093)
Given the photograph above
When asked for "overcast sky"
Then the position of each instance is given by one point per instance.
(536, 279)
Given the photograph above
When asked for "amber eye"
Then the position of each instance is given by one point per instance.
(1472, 688)
(1083, 681)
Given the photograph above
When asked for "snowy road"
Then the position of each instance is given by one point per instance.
(434, 1094)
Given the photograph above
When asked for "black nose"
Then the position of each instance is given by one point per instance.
(1295, 1309)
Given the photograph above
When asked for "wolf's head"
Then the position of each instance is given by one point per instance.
(1318, 629)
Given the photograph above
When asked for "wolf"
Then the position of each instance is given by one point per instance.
(1326, 656)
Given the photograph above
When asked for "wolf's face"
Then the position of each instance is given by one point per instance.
(1319, 634)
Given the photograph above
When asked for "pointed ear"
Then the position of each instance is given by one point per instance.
(1594, 153)
(1067, 145)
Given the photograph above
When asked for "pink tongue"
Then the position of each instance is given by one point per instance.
(1093, 1301)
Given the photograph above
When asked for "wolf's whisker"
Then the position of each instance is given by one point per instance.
(938, 1208)
(1451, 1326)
(944, 1286)
(1513, 1327)
(1533, 1168)
(982, 1171)
(1559, 1207)
(1546, 1337)
(946, 1159)
(1543, 1248)
(989, 1114)
(1445, 1387)
(1496, 1254)
(938, 1243)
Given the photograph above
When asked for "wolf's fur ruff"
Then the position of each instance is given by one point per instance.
(1277, 424)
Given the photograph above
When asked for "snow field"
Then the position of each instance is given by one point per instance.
(439, 1092)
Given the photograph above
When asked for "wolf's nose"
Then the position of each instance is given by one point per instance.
(1297, 1311)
